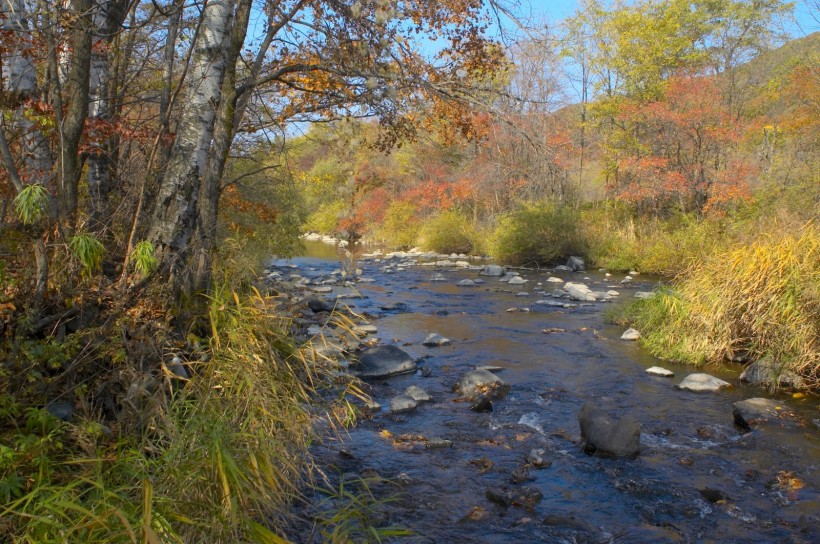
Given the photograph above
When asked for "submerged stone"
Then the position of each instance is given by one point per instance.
(750, 412)
(660, 371)
(434, 339)
(383, 361)
(482, 383)
(402, 403)
(604, 435)
(492, 270)
(418, 394)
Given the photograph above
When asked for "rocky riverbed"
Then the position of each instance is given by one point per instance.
(505, 409)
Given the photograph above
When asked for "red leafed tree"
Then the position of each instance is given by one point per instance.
(682, 149)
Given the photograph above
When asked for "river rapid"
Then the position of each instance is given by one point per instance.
(698, 478)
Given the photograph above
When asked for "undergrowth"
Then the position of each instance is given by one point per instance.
(621, 242)
(760, 300)
(214, 453)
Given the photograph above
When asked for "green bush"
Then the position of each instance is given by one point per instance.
(448, 232)
(88, 251)
(326, 218)
(400, 228)
(540, 233)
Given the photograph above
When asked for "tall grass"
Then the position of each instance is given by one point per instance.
(621, 241)
(760, 299)
(351, 512)
(218, 457)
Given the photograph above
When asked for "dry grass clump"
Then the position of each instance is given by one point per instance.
(761, 299)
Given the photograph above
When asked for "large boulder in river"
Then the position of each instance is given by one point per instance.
(765, 372)
(604, 435)
(482, 383)
(492, 270)
(576, 264)
(383, 361)
(579, 291)
(700, 382)
(748, 413)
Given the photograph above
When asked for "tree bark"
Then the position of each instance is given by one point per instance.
(224, 131)
(107, 18)
(71, 129)
(166, 94)
(175, 209)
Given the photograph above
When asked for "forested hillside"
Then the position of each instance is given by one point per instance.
(707, 144)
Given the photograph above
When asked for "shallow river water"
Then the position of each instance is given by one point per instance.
(698, 478)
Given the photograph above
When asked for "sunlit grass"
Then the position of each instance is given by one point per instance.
(760, 300)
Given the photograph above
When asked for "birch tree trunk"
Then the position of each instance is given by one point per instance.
(168, 73)
(107, 17)
(175, 208)
(224, 131)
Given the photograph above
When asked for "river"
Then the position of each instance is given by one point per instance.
(698, 478)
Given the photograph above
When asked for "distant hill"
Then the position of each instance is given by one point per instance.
(778, 62)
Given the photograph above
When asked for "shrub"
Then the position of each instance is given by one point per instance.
(143, 257)
(400, 228)
(761, 299)
(326, 218)
(448, 232)
(31, 203)
(540, 233)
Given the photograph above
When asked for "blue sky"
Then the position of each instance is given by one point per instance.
(806, 17)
